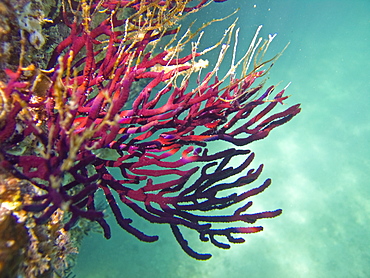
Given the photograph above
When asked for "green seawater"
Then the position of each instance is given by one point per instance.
(319, 162)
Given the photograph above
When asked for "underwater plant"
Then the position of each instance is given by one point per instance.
(115, 112)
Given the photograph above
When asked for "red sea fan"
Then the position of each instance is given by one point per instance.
(110, 100)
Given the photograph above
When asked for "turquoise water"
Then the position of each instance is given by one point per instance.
(319, 162)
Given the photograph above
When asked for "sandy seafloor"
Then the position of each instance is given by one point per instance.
(319, 162)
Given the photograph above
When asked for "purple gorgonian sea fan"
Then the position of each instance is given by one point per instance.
(116, 97)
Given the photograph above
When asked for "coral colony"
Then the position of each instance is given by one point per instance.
(116, 98)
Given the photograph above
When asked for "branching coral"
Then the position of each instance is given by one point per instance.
(82, 124)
